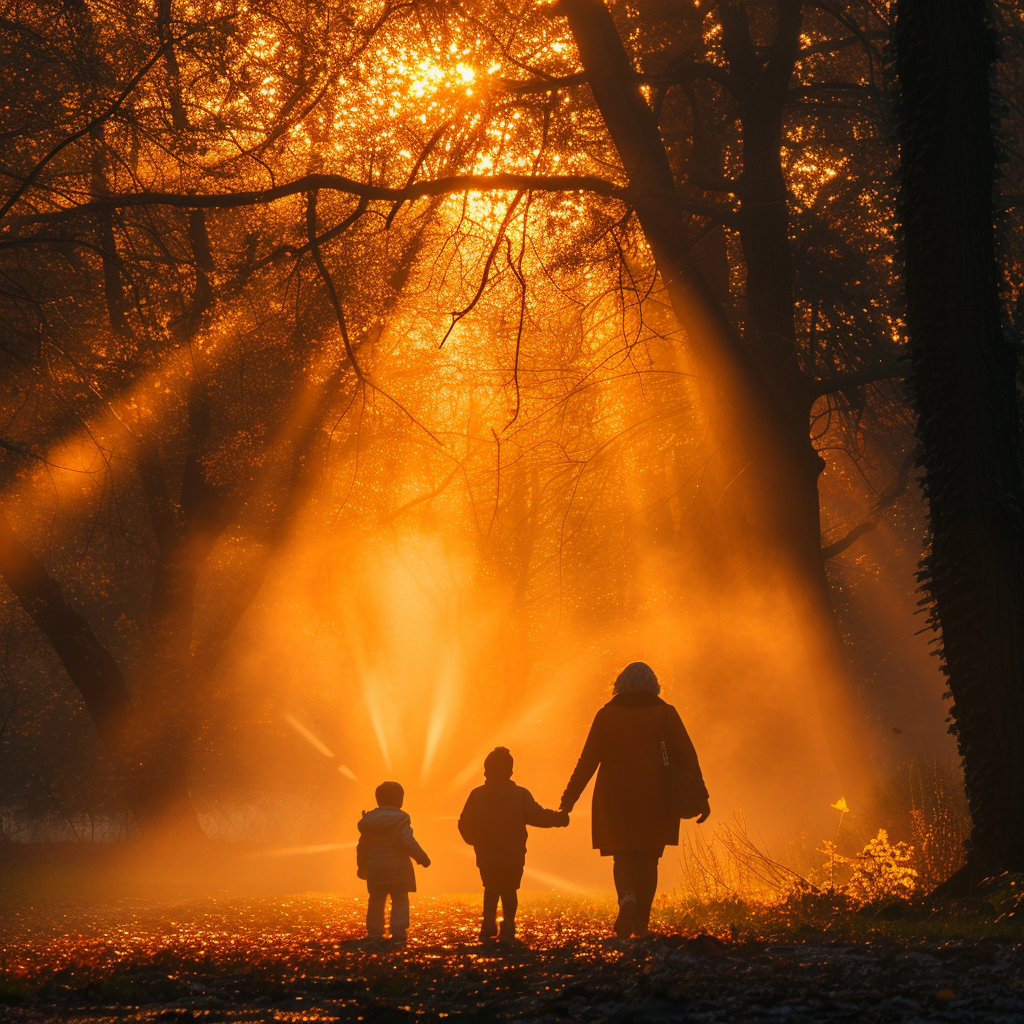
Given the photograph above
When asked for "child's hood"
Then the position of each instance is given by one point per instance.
(383, 820)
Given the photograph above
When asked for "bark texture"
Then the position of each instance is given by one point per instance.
(963, 376)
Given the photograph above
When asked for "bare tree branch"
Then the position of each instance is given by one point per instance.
(831, 550)
(885, 500)
(314, 248)
(857, 378)
(339, 183)
(75, 136)
(420, 498)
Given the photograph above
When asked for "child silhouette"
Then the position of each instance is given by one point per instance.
(494, 823)
(384, 856)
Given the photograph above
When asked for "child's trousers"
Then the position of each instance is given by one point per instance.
(399, 914)
(502, 882)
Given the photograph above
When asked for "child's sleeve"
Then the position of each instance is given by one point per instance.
(361, 857)
(541, 817)
(413, 848)
(468, 824)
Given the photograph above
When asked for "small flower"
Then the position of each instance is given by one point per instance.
(840, 805)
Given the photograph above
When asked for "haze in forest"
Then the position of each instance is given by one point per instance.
(372, 396)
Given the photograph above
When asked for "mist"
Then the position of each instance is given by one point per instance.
(457, 584)
(376, 488)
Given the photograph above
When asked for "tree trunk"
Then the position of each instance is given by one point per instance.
(761, 85)
(761, 77)
(186, 531)
(97, 676)
(90, 665)
(963, 378)
(774, 453)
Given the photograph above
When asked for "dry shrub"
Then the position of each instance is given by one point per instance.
(922, 802)
(728, 864)
(940, 822)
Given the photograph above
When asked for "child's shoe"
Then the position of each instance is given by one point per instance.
(507, 934)
(489, 930)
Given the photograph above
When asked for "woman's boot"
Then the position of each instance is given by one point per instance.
(627, 911)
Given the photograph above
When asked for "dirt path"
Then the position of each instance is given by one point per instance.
(286, 960)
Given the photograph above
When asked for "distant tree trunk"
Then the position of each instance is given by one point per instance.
(179, 664)
(963, 376)
(96, 675)
(761, 78)
(776, 458)
(90, 665)
(186, 530)
(202, 298)
(113, 287)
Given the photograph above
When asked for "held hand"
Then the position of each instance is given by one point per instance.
(564, 821)
(425, 863)
(704, 814)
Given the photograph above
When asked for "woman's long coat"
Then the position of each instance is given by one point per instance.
(624, 748)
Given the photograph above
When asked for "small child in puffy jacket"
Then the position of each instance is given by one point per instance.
(494, 823)
(384, 857)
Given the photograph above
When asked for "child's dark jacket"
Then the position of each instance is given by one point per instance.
(494, 822)
(386, 850)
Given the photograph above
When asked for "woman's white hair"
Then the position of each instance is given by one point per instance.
(637, 677)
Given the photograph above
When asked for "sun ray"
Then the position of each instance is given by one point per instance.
(505, 734)
(373, 706)
(440, 713)
(295, 851)
(313, 740)
(557, 881)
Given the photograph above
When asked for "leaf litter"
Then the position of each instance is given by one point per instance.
(304, 958)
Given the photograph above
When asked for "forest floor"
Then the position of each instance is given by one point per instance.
(301, 958)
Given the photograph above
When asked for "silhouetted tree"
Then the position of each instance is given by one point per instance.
(964, 378)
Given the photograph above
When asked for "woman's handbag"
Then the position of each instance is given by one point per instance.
(683, 793)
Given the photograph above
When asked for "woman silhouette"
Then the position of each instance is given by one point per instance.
(632, 822)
